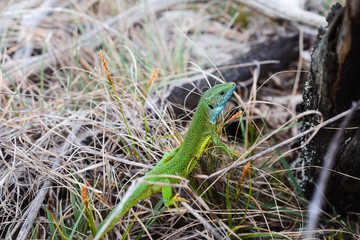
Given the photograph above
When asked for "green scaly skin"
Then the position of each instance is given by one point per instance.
(182, 160)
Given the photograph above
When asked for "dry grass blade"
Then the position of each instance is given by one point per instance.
(203, 221)
(36, 203)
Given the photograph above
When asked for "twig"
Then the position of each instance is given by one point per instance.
(328, 162)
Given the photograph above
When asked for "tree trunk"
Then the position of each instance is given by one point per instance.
(333, 84)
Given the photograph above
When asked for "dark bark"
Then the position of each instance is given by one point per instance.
(333, 84)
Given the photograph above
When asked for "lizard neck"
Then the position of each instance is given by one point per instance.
(196, 139)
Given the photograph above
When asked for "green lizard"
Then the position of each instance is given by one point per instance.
(181, 161)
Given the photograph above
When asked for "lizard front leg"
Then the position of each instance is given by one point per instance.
(168, 199)
(219, 144)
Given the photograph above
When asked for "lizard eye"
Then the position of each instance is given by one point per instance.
(222, 93)
(211, 106)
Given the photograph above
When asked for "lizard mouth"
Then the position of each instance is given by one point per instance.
(226, 96)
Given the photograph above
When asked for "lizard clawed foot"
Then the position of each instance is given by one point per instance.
(176, 198)
(173, 201)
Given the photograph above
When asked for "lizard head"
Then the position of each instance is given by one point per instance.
(215, 99)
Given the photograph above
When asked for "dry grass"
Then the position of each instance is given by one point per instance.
(61, 128)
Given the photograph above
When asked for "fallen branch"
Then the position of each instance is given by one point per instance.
(286, 10)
